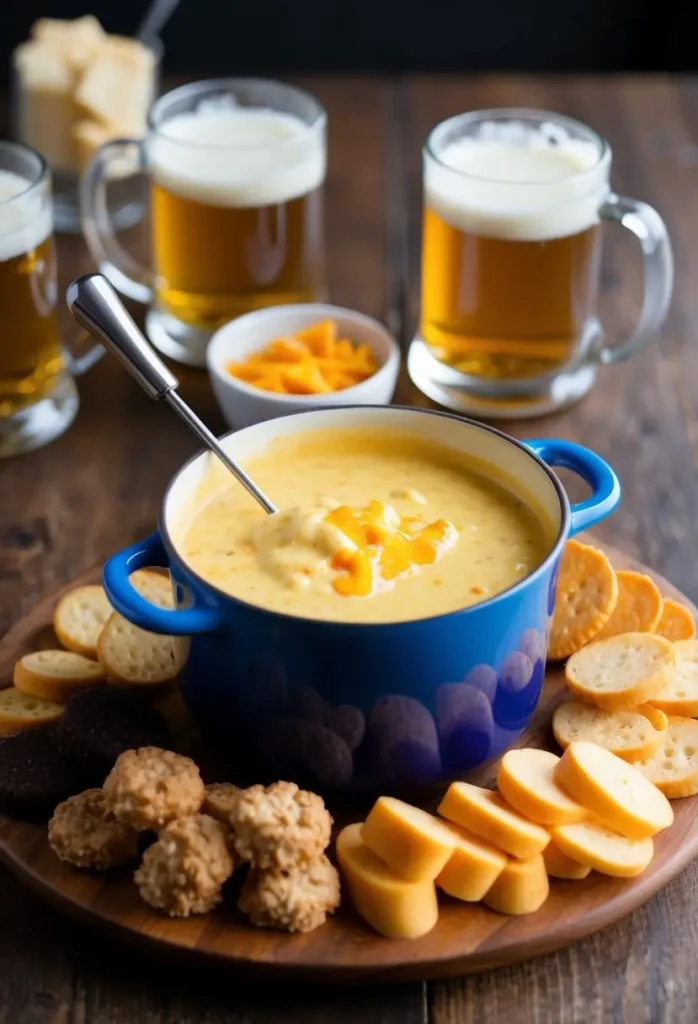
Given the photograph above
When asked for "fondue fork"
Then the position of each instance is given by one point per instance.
(96, 306)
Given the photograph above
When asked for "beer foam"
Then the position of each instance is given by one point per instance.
(25, 216)
(518, 182)
(234, 156)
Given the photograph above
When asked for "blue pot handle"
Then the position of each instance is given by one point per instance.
(604, 483)
(126, 599)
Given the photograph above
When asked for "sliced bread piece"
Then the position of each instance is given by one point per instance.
(20, 711)
(132, 655)
(623, 671)
(679, 695)
(526, 778)
(632, 735)
(80, 617)
(603, 850)
(673, 768)
(56, 675)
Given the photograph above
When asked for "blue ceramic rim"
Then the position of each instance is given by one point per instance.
(543, 567)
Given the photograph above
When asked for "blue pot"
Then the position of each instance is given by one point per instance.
(380, 706)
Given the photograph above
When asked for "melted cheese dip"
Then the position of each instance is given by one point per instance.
(292, 562)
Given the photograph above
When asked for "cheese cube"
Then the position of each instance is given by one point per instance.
(559, 865)
(413, 843)
(615, 791)
(473, 867)
(393, 906)
(489, 816)
(521, 888)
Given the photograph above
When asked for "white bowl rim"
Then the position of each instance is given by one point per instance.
(382, 374)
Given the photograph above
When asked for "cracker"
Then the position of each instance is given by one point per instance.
(638, 608)
(587, 592)
(623, 671)
(633, 735)
(676, 622)
(56, 675)
(20, 711)
(80, 617)
(673, 768)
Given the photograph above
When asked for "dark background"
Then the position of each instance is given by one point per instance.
(392, 36)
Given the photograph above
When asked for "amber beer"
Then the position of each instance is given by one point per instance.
(511, 251)
(31, 357)
(237, 216)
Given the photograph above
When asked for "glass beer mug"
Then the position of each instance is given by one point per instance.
(511, 252)
(236, 168)
(38, 397)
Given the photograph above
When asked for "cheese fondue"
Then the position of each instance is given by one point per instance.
(375, 528)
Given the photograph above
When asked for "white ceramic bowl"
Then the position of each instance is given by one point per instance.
(242, 404)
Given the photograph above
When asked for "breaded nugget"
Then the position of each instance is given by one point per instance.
(84, 832)
(297, 900)
(182, 873)
(281, 826)
(148, 787)
(220, 800)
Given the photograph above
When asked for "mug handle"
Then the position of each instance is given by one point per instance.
(650, 230)
(118, 266)
(605, 485)
(126, 599)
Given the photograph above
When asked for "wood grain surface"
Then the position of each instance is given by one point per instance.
(98, 487)
(466, 939)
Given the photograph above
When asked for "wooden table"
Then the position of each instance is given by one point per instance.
(98, 488)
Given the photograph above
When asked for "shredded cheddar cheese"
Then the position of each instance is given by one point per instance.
(313, 361)
(383, 544)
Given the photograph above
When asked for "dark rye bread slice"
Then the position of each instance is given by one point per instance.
(101, 723)
(34, 774)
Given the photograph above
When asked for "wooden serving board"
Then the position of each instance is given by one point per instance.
(467, 937)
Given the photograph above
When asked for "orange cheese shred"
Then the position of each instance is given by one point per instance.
(313, 361)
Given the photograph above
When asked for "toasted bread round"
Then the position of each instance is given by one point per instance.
(603, 850)
(559, 865)
(56, 675)
(80, 617)
(673, 768)
(619, 795)
(587, 592)
(154, 586)
(679, 695)
(676, 622)
(526, 779)
(632, 735)
(638, 608)
(521, 888)
(20, 711)
(623, 671)
(132, 655)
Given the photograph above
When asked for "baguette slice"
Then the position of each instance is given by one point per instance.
(603, 850)
(80, 617)
(132, 655)
(56, 675)
(526, 779)
(673, 768)
(633, 735)
(623, 671)
(679, 695)
(20, 711)
(619, 795)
